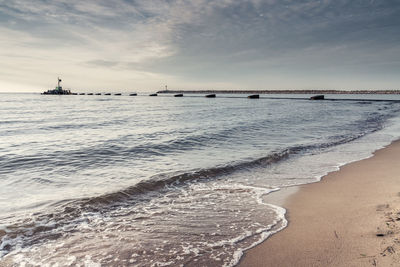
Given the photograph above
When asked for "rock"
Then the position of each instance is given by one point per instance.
(317, 97)
(254, 96)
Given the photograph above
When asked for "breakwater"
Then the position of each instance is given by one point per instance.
(358, 92)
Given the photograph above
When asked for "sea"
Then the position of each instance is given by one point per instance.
(165, 181)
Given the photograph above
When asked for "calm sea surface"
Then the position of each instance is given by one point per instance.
(164, 181)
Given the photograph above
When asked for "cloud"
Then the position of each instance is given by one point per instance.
(202, 41)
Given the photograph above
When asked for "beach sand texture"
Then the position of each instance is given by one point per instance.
(350, 218)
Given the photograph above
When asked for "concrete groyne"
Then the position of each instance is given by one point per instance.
(311, 92)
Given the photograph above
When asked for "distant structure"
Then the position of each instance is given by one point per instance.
(311, 92)
(211, 96)
(317, 97)
(58, 90)
(253, 96)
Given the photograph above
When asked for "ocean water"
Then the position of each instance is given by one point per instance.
(164, 181)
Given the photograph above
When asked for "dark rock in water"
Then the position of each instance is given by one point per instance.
(133, 94)
(82, 94)
(107, 94)
(211, 95)
(178, 95)
(117, 94)
(74, 93)
(254, 96)
(152, 94)
(90, 94)
(98, 93)
(317, 97)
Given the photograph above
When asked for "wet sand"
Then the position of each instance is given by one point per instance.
(350, 218)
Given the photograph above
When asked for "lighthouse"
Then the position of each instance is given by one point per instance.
(59, 88)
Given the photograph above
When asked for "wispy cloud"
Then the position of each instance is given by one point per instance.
(198, 42)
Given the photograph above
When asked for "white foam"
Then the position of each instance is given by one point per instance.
(199, 195)
(89, 263)
(237, 255)
(392, 133)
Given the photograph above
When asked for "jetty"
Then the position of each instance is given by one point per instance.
(303, 92)
(58, 90)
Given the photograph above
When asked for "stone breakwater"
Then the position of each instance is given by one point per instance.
(355, 92)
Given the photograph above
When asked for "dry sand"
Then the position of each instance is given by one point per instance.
(350, 218)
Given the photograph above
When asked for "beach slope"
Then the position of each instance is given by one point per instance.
(350, 218)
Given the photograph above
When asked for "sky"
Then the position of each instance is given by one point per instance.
(143, 45)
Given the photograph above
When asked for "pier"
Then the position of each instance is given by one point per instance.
(295, 92)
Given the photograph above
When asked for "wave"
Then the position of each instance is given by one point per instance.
(67, 214)
(161, 181)
(115, 149)
(43, 226)
(118, 150)
(70, 212)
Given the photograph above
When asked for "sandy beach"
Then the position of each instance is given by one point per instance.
(350, 218)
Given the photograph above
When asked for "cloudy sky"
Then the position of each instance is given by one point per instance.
(141, 45)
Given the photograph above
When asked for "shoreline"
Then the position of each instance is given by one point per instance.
(349, 218)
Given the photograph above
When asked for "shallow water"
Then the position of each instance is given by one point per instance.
(155, 181)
